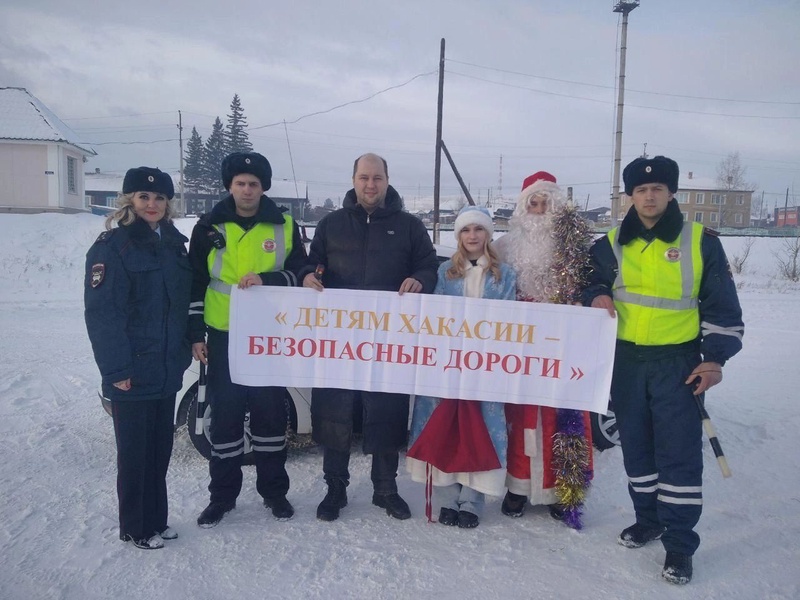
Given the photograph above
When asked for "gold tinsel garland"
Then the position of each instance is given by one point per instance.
(571, 450)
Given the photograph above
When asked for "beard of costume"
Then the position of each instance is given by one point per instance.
(530, 253)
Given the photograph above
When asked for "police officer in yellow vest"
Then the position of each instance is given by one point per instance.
(669, 285)
(245, 240)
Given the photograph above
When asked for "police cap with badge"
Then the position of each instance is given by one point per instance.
(658, 169)
(148, 179)
(253, 163)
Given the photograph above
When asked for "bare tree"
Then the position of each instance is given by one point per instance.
(738, 260)
(731, 175)
(788, 258)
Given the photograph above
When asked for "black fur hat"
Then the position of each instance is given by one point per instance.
(148, 179)
(658, 169)
(254, 163)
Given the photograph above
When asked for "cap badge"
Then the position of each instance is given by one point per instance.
(247, 161)
(150, 178)
(268, 245)
(648, 169)
(673, 254)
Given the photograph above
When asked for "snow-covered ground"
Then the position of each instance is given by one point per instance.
(58, 521)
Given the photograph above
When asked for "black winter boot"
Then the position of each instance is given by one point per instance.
(514, 505)
(281, 508)
(395, 506)
(677, 568)
(334, 501)
(213, 513)
(638, 535)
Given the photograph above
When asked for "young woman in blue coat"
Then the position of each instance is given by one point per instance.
(476, 272)
(136, 296)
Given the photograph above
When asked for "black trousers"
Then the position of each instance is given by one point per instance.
(268, 420)
(662, 447)
(144, 435)
(335, 465)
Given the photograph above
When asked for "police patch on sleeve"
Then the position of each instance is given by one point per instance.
(98, 274)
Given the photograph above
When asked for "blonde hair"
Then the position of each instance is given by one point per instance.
(460, 261)
(125, 213)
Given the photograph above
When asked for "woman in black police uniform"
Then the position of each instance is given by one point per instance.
(136, 294)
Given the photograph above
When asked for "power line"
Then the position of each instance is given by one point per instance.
(117, 116)
(322, 112)
(595, 85)
(129, 143)
(574, 97)
(522, 87)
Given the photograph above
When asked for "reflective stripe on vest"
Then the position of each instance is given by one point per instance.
(656, 288)
(244, 252)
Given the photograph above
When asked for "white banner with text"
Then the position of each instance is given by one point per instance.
(424, 344)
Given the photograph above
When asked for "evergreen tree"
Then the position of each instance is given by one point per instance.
(214, 152)
(193, 171)
(236, 139)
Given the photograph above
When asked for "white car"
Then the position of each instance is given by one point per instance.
(298, 411)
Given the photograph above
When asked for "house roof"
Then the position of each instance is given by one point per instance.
(24, 117)
(697, 183)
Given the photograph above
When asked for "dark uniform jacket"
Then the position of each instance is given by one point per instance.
(203, 237)
(136, 296)
(363, 251)
(718, 302)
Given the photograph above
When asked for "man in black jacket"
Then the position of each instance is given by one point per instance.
(245, 240)
(369, 244)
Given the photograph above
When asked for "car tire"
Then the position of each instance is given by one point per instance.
(182, 414)
(604, 430)
(202, 441)
(106, 404)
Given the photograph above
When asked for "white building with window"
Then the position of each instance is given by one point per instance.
(41, 159)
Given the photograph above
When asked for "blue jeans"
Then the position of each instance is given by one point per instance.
(459, 497)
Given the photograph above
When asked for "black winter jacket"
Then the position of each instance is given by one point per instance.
(718, 302)
(375, 251)
(201, 244)
(136, 297)
(368, 252)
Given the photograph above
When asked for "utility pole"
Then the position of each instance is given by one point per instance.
(182, 205)
(786, 209)
(437, 170)
(624, 7)
(500, 179)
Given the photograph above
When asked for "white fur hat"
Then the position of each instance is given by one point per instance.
(473, 215)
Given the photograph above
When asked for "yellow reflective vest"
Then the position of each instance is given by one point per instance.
(261, 249)
(656, 288)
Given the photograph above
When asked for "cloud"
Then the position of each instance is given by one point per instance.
(529, 80)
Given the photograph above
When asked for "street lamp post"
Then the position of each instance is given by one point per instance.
(624, 7)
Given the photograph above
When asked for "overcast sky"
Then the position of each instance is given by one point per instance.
(531, 81)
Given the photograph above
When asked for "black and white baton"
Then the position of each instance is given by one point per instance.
(712, 438)
(201, 401)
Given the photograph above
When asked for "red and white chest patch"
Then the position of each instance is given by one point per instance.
(673, 255)
(268, 245)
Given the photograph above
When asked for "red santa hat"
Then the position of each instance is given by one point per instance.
(540, 182)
